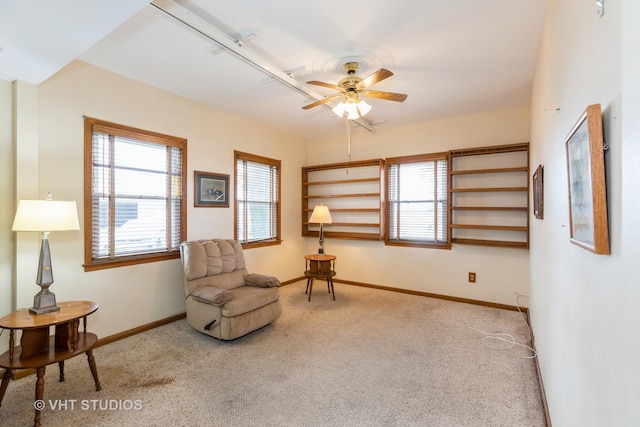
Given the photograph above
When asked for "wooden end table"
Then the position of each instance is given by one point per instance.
(37, 349)
(320, 267)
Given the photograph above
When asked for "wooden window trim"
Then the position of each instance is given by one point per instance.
(389, 162)
(239, 155)
(91, 124)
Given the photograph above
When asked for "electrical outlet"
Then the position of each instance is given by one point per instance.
(472, 277)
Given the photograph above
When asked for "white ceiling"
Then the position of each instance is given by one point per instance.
(451, 57)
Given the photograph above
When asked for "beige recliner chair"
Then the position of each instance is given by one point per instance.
(221, 298)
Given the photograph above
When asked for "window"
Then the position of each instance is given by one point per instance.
(417, 201)
(134, 199)
(257, 200)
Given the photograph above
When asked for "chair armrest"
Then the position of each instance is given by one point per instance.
(261, 280)
(211, 295)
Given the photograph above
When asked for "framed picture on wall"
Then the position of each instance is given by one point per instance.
(538, 192)
(211, 190)
(589, 227)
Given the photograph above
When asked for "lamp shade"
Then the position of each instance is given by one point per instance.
(46, 215)
(320, 215)
(363, 108)
(340, 109)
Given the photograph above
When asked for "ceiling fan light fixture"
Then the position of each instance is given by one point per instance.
(352, 107)
(363, 108)
(339, 109)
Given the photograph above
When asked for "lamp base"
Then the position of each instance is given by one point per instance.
(44, 303)
(320, 251)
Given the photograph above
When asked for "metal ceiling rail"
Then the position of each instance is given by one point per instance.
(200, 25)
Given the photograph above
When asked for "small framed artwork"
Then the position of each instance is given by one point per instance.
(589, 224)
(538, 192)
(211, 190)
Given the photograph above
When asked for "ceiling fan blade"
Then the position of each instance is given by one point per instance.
(323, 84)
(322, 101)
(388, 96)
(374, 78)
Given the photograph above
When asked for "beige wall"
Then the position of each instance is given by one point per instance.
(7, 208)
(627, 351)
(136, 295)
(584, 306)
(500, 272)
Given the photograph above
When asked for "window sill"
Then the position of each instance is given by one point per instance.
(416, 244)
(260, 244)
(125, 261)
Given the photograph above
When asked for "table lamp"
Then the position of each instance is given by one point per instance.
(45, 216)
(320, 215)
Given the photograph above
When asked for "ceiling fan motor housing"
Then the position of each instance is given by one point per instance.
(351, 68)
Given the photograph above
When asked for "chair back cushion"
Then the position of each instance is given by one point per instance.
(215, 262)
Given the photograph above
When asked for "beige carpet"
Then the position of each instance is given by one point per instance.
(370, 358)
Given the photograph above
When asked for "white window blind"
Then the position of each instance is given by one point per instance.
(418, 202)
(257, 204)
(136, 196)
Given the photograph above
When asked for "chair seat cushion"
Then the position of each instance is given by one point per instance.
(248, 298)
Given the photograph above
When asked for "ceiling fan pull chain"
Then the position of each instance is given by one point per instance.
(346, 120)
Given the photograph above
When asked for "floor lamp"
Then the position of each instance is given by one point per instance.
(45, 216)
(320, 215)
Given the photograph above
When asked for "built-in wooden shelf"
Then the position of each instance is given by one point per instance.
(355, 202)
(487, 189)
(488, 197)
(333, 196)
(485, 171)
(490, 208)
(489, 227)
(352, 224)
(374, 210)
(495, 170)
(342, 181)
(496, 243)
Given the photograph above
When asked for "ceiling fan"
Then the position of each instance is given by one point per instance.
(351, 88)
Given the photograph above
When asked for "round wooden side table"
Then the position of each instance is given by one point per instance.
(37, 349)
(320, 267)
